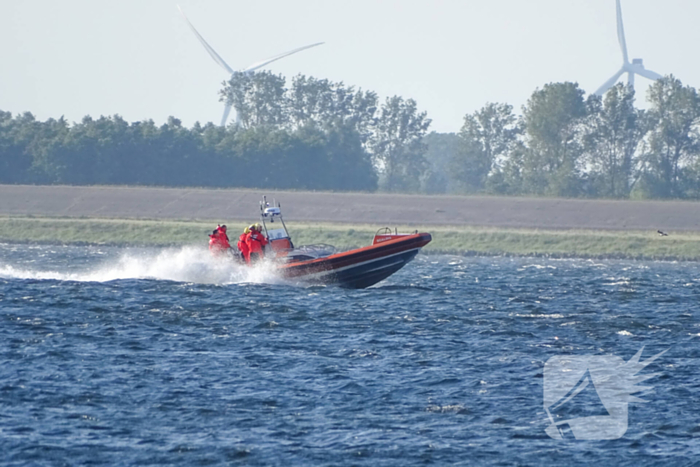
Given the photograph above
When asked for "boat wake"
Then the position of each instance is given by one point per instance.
(186, 264)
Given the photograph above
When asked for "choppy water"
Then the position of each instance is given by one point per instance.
(164, 356)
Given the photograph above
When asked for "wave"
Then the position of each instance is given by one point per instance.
(186, 264)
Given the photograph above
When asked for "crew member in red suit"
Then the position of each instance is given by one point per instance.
(243, 246)
(255, 241)
(223, 238)
(218, 241)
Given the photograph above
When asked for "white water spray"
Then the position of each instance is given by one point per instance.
(186, 264)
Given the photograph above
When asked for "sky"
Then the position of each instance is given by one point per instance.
(138, 59)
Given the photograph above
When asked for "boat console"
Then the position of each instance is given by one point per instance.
(280, 240)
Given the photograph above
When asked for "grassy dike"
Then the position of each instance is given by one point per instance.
(455, 240)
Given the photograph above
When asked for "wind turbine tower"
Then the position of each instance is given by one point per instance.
(634, 68)
(255, 66)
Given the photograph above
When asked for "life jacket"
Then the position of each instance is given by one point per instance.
(223, 238)
(242, 245)
(255, 241)
(218, 241)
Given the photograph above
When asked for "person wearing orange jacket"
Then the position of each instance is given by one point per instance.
(218, 241)
(243, 246)
(255, 241)
(223, 238)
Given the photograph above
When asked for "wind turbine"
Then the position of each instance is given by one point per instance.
(250, 69)
(634, 68)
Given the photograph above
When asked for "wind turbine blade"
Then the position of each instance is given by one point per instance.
(211, 51)
(621, 33)
(648, 74)
(227, 110)
(610, 83)
(261, 64)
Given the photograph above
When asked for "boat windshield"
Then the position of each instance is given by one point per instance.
(276, 234)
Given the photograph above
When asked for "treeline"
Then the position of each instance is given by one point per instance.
(315, 134)
(109, 151)
(566, 144)
(391, 133)
(321, 135)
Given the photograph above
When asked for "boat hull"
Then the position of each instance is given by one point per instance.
(359, 268)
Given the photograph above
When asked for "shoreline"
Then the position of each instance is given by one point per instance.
(450, 240)
(465, 254)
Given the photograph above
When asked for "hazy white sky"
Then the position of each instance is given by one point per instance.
(137, 58)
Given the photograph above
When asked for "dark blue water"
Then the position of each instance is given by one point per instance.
(112, 356)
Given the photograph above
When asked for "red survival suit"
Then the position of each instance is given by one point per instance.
(218, 241)
(255, 242)
(243, 246)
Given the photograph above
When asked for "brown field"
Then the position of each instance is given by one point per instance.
(349, 208)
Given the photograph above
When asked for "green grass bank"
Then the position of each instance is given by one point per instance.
(446, 239)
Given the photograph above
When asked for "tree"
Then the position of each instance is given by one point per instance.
(310, 101)
(612, 134)
(341, 162)
(673, 140)
(552, 118)
(362, 119)
(331, 105)
(258, 98)
(15, 163)
(51, 159)
(397, 144)
(486, 140)
(440, 150)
